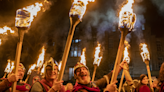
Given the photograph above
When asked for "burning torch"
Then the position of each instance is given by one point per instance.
(7, 69)
(29, 72)
(146, 58)
(41, 59)
(83, 61)
(127, 20)
(126, 57)
(24, 17)
(76, 13)
(4, 31)
(97, 61)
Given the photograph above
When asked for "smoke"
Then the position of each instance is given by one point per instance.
(160, 5)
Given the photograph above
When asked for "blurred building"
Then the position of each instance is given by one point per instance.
(109, 46)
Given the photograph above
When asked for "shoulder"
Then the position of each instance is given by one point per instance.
(36, 87)
(144, 88)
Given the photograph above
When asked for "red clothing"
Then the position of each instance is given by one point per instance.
(162, 88)
(46, 85)
(144, 88)
(5, 85)
(86, 88)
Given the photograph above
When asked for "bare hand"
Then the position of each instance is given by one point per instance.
(111, 87)
(12, 78)
(57, 85)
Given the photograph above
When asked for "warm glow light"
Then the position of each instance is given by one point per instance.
(41, 58)
(42, 71)
(83, 57)
(79, 7)
(126, 15)
(145, 53)
(33, 9)
(12, 66)
(4, 30)
(126, 54)
(97, 59)
(25, 16)
(7, 69)
(0, 41)
(31, 68)
(59, 66)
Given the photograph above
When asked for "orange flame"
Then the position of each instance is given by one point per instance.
(60, 63)
(83, 57)
(145, 53)
(126, 54)
(126, 15)
(97, 59)
(79, 7)
(41, 58)
(33, 9)
(42, 71)
(12, 66)
(7, 69)
(4, 30)
(25, 16)
(0, 41)
(31, 68)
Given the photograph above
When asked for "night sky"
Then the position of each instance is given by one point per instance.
(51, 27)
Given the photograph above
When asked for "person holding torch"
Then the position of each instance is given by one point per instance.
(146, 58)
(6, 83)
(49, 83)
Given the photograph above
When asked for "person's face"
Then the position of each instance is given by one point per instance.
(20, 73)
(82, 75)
(145, 80)
(69, 86)
(51, 74)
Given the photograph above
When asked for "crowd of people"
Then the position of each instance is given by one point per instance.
(50, 83)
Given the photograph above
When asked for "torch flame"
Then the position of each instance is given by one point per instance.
(7, 69)
(97, 58)
(42, 71)
(33, 9)
(41, 58)
(60, 63)
(25, 16)
(4, 30)
(12, 66)
(145, 53)
(79, 7)
(126, 54)
(31, 68)
(0, 41)
(126, 15)
(83, 61)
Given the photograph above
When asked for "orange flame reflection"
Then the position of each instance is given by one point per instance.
(83, 57)
(60, 63)
(97, 59)
(126, 54)
(4, 30)
(145, 53)
(79, 7)
(31, 68)
(41, 58)
(7, 69)
(42, 71)
(12, 66)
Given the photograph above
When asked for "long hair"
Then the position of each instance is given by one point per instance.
(161, 73)
(141, 84)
